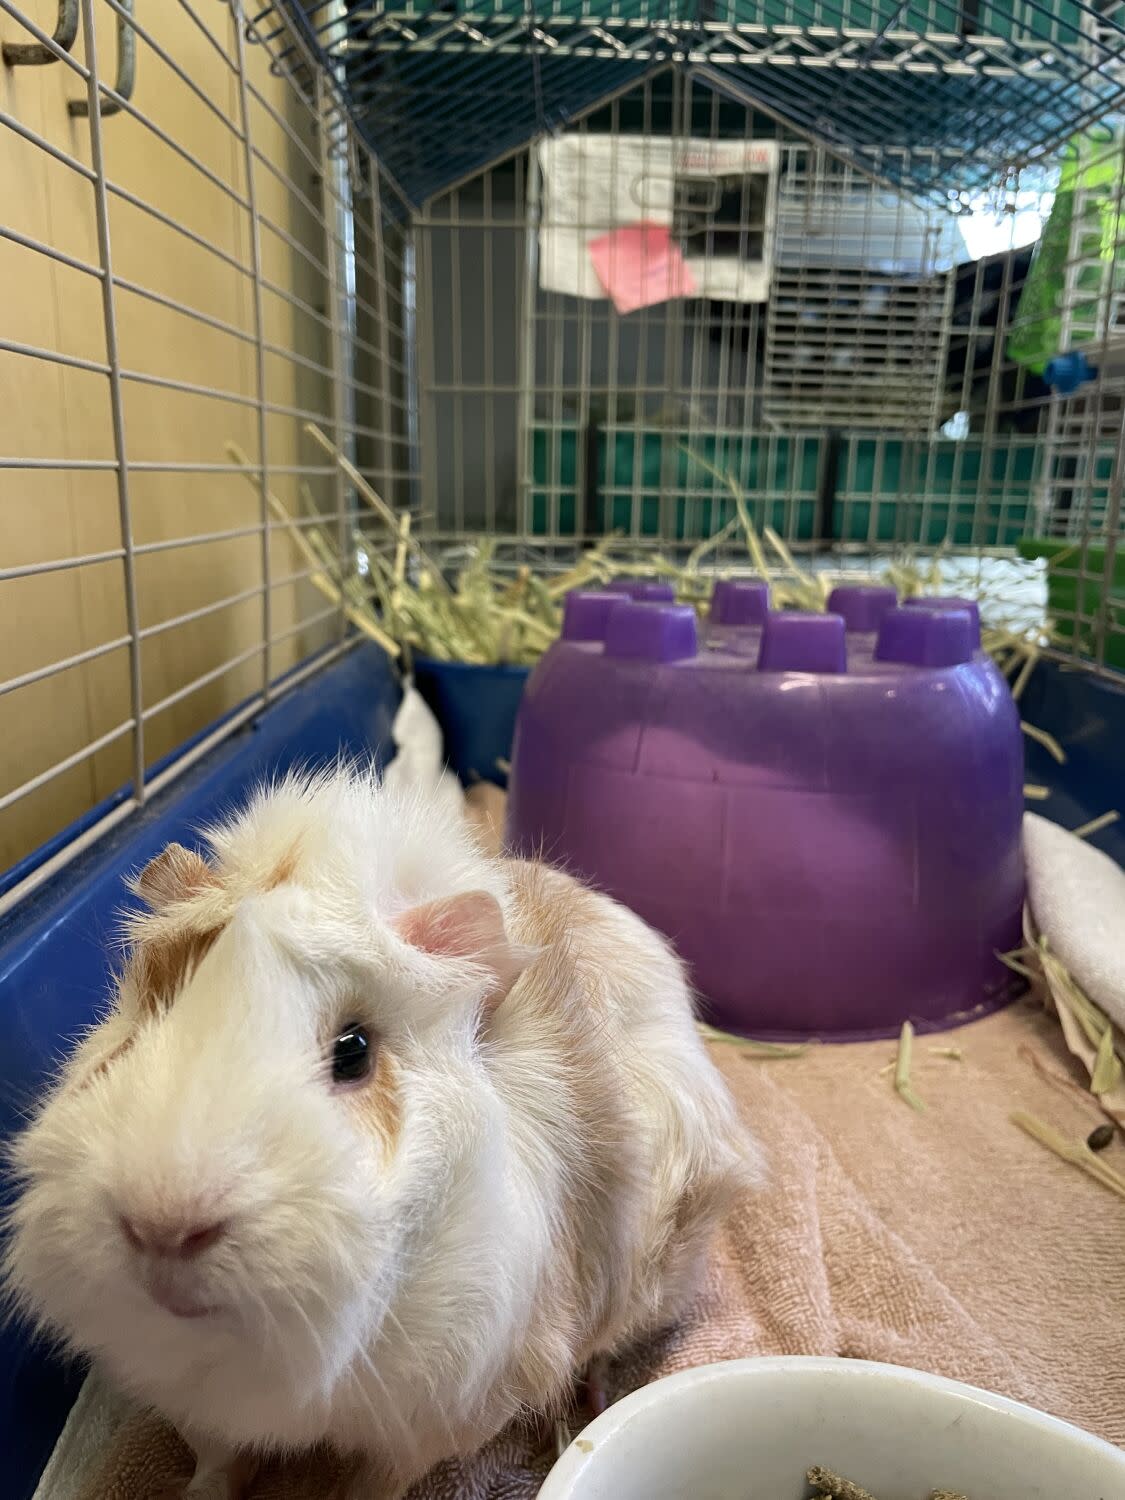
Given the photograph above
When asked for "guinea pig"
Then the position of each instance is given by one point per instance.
(382, 1142)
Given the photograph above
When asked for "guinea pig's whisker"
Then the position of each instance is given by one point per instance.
(389, 1409)
(310, 1328)
(362, 1363)
(391, 1317)
(355, 1381)
(273, 1332)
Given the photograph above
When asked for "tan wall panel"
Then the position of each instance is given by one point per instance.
(50, 412)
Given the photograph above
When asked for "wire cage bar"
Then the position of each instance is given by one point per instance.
(883, 335)
(987, 83)
(177, 548)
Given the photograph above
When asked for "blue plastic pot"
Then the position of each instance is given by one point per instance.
(476, 708)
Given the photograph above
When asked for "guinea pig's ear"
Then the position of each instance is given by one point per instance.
(469, 926)
(174, 875)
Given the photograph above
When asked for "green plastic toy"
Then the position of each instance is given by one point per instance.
(1090, 185)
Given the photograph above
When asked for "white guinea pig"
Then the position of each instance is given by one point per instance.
(383, 1141)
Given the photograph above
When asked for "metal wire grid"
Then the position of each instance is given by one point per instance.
(871, 403)
(1080, 493)
(208, 266)
(944, 100)
(986, 82)
(568, 419)
(430, 353)
(857, 323)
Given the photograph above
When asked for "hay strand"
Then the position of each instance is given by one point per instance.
(1048, 741)
(1077, 1153)
(372, 497)
(1090, 1035)
(765, 1050)
(484, 616)
(321, 579)
(1095, 825)
(902, 1068)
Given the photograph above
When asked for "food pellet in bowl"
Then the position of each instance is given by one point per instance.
(829, 1486)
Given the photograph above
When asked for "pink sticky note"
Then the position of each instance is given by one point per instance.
(639, 266)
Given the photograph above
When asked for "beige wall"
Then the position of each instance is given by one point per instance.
(50, 412)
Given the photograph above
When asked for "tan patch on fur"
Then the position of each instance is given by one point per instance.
(176, 874)
(165, 955)
(283, 871)
(636, 1215)
(380, 1101)
(101, 1068)
(160, 966)
(484, 809)
(563, 998)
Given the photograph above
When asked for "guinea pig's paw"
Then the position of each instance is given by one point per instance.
(597, 1383)
(210, 1487)
(227, 1481)
(207, 1487)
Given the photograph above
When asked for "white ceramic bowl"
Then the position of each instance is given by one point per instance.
(748, 1430)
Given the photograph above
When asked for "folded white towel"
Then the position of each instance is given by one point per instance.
(1077, 899)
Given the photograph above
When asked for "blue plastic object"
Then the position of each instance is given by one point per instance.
(1066, 372)
(1086, 714)
(476, 709)
(56, 952)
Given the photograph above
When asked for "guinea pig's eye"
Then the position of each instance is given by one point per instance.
(352, 1054)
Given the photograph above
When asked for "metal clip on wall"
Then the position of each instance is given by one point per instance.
(126, 78)
(25, 54)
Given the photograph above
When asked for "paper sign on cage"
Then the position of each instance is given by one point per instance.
(716, 200)
(640, 266)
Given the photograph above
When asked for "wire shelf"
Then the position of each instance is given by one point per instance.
(441, 91)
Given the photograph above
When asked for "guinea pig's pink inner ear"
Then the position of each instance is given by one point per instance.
(469, 927)
(176, 874)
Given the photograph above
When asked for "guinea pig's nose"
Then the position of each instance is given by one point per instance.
(176, 1238)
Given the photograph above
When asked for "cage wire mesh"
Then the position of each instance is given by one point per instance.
(198, 263)
(539, 272)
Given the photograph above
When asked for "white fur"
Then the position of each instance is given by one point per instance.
(383, 1298)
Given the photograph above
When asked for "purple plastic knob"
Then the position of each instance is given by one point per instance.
(586, 614)
(737, 601)
(965, 606)
(643, 590)
(651, 632)
(926, 637)
(861, 607)
(793, 642)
